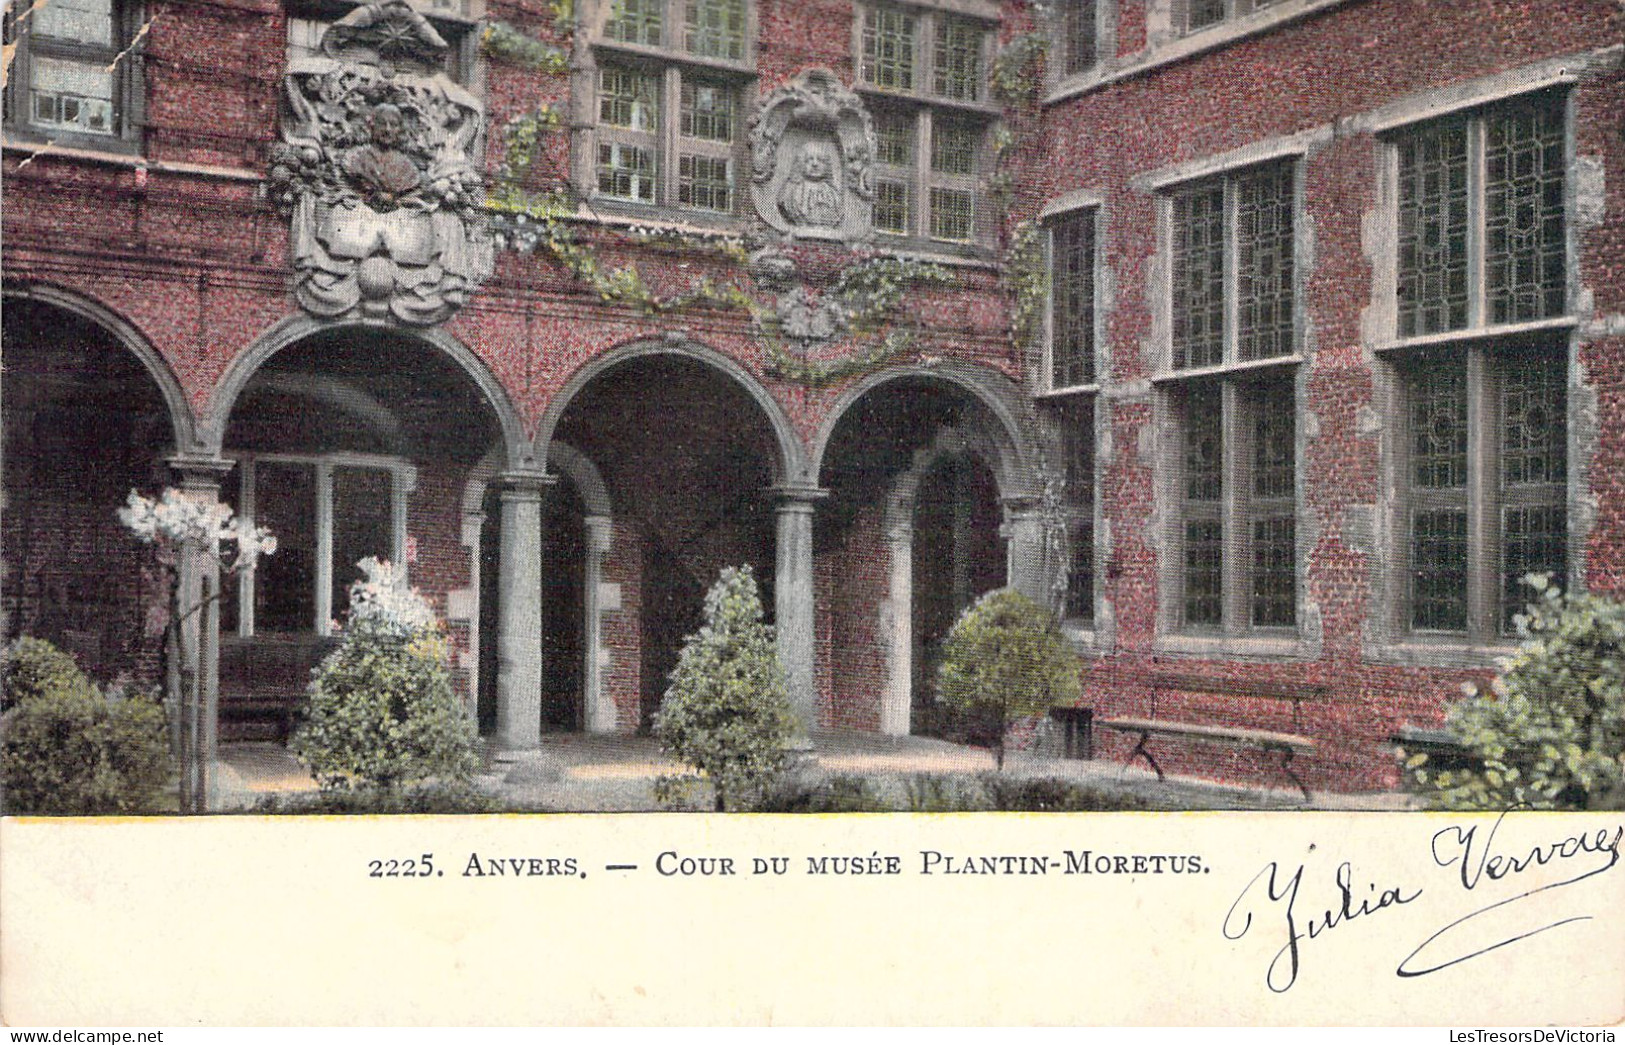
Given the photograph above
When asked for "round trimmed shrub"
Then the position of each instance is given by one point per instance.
(382, 710)
(727, 712)
(70, 749)
(1005, 660)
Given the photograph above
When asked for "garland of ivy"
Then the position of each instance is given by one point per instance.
(1026, 276)
(502, 42)
(1017, 73)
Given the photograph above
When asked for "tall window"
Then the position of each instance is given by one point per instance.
(1069, 368)
(69, 83)
(669, 117)
(1078, 36)
(1483, 458)
(1481, 222)
(328, 514)
(927, 72)
(1232, 314)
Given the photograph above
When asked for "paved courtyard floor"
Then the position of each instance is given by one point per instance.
(587, 773)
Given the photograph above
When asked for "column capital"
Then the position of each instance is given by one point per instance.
(524, 480)
(198, 472)
(791, 495)
(1022, 503)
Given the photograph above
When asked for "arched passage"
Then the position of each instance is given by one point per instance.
(91, 411)
(694, 455)
(932, 478)
(347, 442)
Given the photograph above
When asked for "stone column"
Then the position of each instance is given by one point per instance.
(793, 598)
(198, 713)
(519, 612)
(897, 626)
(600, 710)
(1027, 568)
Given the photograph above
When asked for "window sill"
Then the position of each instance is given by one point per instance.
(603, 210)
(1179, 48)
(1226, 368)
(1244, 647)
(977, 108)
(1071, 390)
(1421, 652)
(743, 67)
(1507, 331)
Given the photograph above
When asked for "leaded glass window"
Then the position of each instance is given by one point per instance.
(668, 126)
(1076, 417)
(1264, 244)
(627, 98)
(1237, 509)
(1233, 270)
(1072, 300)
(1524, 244)
(953, 148)
(707, 112)
(1487, 469)
(894, 140)
(636, 22)
(891, 207)
(1481, 220)
(1203, 13)
(704, 182)
(957, 59)
(1199, 277)
(888, 48)
(1079, 35)
(66, 81)
(953, 214)
(626, 172)
(715, 28)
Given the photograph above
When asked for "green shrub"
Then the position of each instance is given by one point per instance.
(439, 799)
(837, 794)
(382, 710)
(935, 793)
(727, 712)
(1550, 734)
(69, 749)
(1052, 795)
(1006, 660)
(34, 667)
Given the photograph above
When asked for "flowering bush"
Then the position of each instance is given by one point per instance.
(175, 519)
(727, 712)
(382, 710)
(1550, 734)
(68, 748)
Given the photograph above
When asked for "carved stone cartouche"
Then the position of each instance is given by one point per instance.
(812, 152)
(377, 176)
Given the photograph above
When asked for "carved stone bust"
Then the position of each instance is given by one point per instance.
(377, 176)
(812, 150)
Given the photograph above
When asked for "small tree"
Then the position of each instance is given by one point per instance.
(382, 709)
(1550, 733)
(727, 712)
(68, 748)
(1005, 659)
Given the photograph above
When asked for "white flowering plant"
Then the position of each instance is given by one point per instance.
(174, 520)
(383, 599)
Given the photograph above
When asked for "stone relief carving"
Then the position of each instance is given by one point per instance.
(812, 154)
(377, 175)
(802, 317)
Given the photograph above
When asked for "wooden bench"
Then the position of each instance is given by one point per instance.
(1287, 745)
(263, 679)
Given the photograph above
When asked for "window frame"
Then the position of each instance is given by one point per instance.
(673, 68)
(922, 109)
(128, 80)
(1238, 385)
(403, 476)
(1232, 11)
(1482, 348)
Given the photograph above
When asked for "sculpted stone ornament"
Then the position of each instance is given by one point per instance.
(801, 316)
(376, 173)
(812, 156)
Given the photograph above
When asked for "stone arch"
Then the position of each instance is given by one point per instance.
(181, 418)
(792, 464)
(1015, 445)
(293, 329)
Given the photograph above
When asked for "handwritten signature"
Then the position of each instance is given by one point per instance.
(1476, 861)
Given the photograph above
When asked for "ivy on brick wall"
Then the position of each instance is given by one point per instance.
(1026, 276)
(503, 43)
(1017, 75)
